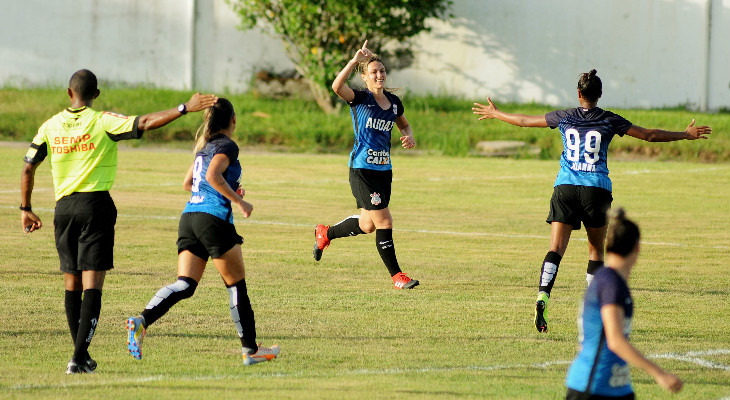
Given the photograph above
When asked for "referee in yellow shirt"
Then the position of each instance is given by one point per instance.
(82, 145)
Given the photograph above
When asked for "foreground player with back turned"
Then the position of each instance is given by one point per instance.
(601, 368)
(374, 112)
(82, 145)
(206, 230)
(582, 191)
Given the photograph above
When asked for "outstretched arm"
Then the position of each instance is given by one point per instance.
(659, 135)
(613, 316)
(339, 85)
(159, 119)
(490, 111)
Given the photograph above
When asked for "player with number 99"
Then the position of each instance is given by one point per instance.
(582, 190)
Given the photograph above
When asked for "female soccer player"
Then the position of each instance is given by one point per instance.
(600, 369)
(582, 189)
(374, 112)
(206, 230)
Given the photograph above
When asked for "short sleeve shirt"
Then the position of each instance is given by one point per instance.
(203, 197)
(595, 365)
(372, 125)
(586, 136)
(82, 145)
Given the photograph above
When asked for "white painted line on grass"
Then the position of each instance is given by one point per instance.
(424, 231)
(691, 357)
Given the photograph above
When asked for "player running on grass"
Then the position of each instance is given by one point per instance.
(206, 230)
(374, 112)
(82, 145)
(582, 191)
(601, 370)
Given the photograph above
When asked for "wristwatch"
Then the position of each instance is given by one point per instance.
(26, 208)
(182, 109)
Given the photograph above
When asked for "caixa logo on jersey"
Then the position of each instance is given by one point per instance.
(381, 157)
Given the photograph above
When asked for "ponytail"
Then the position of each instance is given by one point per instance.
(216, 119)
(623, 234)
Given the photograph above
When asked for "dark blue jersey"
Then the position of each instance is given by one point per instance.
(372, 126)
(586, 135)
(203, 197)
(596, 369)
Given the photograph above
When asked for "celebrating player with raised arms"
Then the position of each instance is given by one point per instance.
(601, 368)
(374, 112)
(582, 191)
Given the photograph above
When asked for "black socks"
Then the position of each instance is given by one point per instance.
(73, 311)
(384, 241)
(549, 271)
(167, 297)
(242, 315)
(89, 317)
(350, 226)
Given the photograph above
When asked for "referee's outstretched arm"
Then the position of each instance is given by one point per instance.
(159, 119)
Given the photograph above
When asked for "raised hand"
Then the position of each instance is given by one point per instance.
(698, 132)
(486, 111)
(363, 53)
(200, 102)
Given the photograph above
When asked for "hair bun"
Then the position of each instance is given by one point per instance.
(592, 73)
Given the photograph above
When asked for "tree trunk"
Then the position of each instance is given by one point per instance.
(323, 98)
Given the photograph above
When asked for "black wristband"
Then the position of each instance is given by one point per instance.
(29, 208)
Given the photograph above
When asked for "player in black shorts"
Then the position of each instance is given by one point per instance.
(82, 145)
(206, 230)
(582, 191)
(374, 113)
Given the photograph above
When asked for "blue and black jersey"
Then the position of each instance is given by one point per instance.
(586, 136)
(596, 369)
(372, 126)
(203, 197)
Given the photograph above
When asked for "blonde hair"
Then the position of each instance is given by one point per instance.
(362, 68)
(216, 119)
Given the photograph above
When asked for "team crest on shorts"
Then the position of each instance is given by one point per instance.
(375, 198)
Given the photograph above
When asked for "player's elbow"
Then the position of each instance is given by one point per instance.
(616, 344)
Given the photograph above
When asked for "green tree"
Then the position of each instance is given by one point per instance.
(320, 36)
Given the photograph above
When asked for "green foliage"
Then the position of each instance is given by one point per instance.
(321, 36)
(441, 125)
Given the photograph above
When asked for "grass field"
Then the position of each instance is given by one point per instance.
(470, 229)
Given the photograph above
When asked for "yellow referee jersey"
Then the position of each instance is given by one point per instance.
(82, 144)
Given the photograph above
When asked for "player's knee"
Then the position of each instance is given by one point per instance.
(184, 287)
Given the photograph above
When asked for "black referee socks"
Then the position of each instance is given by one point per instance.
(90, 309)
(73, 311)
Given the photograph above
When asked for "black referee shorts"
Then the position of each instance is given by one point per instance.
(84, 229)
(572, 204)
(371, 188)
(206, 235)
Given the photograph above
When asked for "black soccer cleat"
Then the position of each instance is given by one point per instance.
(540, 315)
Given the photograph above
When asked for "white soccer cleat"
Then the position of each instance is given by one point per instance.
(261, 355)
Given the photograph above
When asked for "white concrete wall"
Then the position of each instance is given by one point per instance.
(649, 53)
